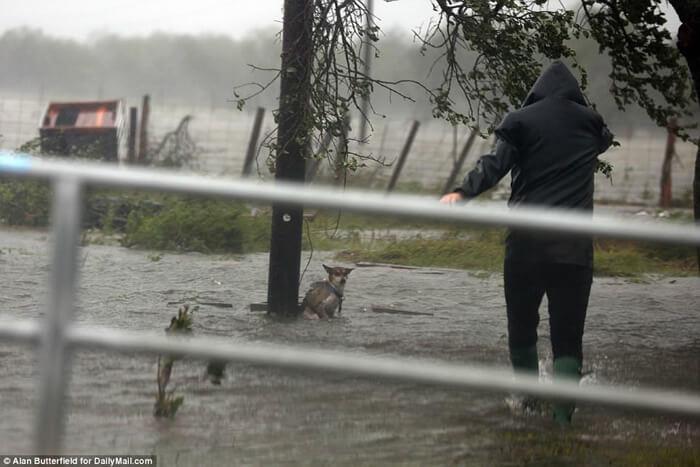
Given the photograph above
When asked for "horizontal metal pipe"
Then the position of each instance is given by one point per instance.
(20, 331)
(382, 368)
(533, 219)
(403, 369)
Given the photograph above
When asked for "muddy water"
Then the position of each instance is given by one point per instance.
(638, 334)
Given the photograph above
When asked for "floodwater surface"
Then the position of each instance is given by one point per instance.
(638, 332)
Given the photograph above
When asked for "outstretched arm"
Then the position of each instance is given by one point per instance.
(489, 170)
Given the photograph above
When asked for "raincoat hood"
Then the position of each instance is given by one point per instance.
(555, 81)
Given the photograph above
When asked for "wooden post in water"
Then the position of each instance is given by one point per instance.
(402, 158)
(292, 145)
(131, 140)
(253, 143)
(460, 162)
(665, 195)
(143, 132)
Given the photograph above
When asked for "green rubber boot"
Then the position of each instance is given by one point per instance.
(524, 359)
(567, 369)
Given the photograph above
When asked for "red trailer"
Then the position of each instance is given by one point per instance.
(94, 129)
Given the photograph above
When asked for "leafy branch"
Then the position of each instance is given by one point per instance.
(338, 83)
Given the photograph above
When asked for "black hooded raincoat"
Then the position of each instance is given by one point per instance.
(550, 146)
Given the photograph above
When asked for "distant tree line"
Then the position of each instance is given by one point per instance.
(203, 70)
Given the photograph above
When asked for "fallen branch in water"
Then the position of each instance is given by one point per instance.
(166, 404)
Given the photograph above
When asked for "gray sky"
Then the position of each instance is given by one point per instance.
(78, 19)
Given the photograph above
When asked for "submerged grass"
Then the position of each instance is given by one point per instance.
(564, 448)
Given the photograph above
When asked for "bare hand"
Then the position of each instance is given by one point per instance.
(452, 198)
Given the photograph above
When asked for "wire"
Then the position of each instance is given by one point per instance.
(311, 249)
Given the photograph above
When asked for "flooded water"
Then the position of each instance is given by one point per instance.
(639, 333)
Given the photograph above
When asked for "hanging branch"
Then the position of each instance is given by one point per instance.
(338, 83)
(647, 68)
(508, 39)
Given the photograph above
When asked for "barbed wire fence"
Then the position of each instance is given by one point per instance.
(221, 134)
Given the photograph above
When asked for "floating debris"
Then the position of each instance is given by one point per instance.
(215, 371)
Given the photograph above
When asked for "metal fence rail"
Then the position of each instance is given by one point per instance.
(550, 220)
(57, 335)
(410, 370)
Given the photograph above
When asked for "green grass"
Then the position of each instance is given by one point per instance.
(621, 258)
(485, 251)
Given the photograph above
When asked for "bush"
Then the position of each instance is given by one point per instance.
(24, 202)
(187, 224)
(164, 222)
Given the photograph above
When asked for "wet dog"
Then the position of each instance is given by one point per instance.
(324, 298)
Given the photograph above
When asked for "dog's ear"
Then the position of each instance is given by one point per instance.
(328, 270)
(348, 270)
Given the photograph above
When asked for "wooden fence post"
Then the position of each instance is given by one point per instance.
(666, 195)
(404, 155)
(131, 140)
(253, 143)
(313, 164)
(143, 133)
(449, 185)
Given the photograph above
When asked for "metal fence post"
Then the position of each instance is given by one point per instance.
(54, 367)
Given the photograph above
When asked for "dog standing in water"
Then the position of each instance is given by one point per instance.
(325, 297)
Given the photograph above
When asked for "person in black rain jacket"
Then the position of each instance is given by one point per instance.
(551, 146)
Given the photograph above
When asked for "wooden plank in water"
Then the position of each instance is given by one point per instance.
(216, 304)
(197, 302)
(364, 264)
(394, 311)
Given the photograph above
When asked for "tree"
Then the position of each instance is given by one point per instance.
(490, 53)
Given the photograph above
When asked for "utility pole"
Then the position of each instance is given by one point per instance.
(292, 146)
(367, 69)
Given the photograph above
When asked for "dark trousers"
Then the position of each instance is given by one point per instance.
(567, 286)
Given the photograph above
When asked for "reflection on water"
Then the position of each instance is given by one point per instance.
(636, 334)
